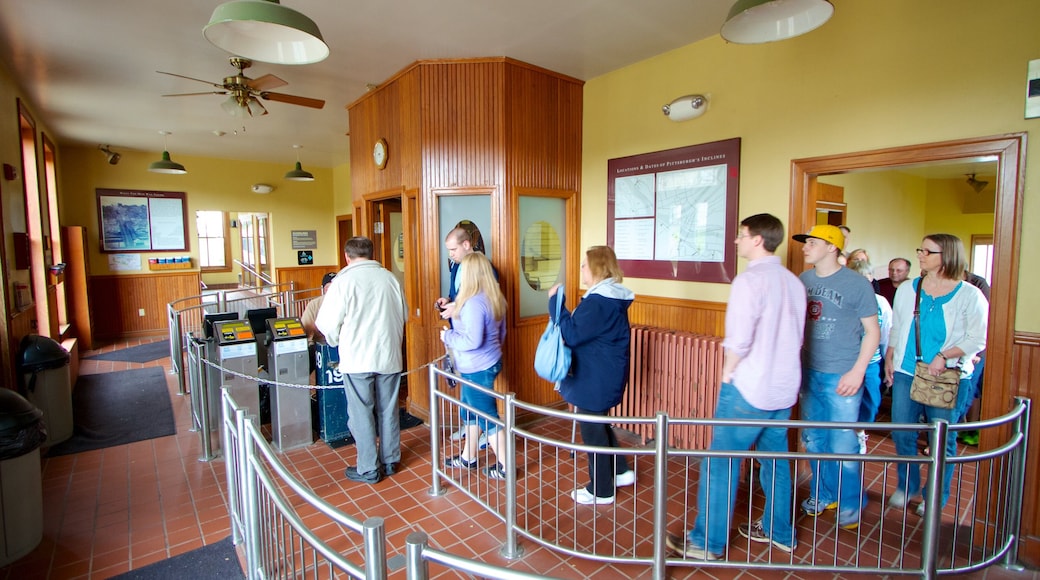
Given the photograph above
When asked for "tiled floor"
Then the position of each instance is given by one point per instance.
(113, 510)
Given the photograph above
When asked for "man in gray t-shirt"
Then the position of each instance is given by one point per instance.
(841, 336)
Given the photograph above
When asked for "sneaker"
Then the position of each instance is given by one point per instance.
(848, 520)
(391, 468)
(969, 438)
(458, 461)
(862, 436)
(584, 497)
(897, 499)
(495, 471)
(482, 442)
(625, 479)
(459, 435)
(755, 533)
(814, 507)
(920, 509)
(683, 547)
(370, 477)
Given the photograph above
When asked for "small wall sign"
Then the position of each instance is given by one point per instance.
(304, 239)
(305, 258)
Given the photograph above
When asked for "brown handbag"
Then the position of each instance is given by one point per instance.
(940, 390)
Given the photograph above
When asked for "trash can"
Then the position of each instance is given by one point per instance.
(21, 504)
(44, 368)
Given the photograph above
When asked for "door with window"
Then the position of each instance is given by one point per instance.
(256, 262)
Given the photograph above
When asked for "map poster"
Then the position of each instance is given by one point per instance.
(672, 215)
(141, 221)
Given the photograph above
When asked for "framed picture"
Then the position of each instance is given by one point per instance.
(142, 221)
(672, 215)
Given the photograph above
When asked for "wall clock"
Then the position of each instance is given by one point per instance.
(380, 153)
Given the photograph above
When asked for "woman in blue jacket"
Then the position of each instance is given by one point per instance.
(597, 333)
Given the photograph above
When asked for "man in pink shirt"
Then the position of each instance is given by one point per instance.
(761, 377)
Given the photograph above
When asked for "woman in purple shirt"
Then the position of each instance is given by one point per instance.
(478, 328)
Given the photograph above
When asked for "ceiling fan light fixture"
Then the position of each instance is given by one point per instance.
(760, 21)
(298, 174)
(266, 31)
(166, 165)
(233, 108)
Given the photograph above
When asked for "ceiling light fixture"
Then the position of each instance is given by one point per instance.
(111, 156)
(241, 106)
(265, 30)
(299, 174)
(685, 108)
(976, 184)
(166, 165)
(759, 21)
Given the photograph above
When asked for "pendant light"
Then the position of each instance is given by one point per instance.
(759, 21)
(266, 31)
(166, 165)
(299, 174)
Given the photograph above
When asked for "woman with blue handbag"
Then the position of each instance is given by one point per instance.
(597, 333)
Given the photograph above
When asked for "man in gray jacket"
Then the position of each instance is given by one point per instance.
(364, 314)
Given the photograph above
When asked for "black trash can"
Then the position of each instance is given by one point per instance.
(21, 504)
(44, 369)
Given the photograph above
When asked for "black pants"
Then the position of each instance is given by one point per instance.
(602, 466)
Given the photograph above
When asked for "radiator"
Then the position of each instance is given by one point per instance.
(675, 372)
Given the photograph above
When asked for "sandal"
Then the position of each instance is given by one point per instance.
(458, 461)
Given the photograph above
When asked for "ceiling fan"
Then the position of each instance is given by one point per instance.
(245, 93)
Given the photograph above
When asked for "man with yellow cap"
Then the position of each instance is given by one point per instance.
(841, 335)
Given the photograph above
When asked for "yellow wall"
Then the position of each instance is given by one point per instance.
(881, 73)
(343, 199)
(209, 184)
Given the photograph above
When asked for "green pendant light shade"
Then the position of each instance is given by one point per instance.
(299, 174)
(759, 21)
(266, 31)
(166, 165)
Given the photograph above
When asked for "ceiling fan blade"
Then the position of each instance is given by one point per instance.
(265, 83)
(293, 100)
(218, 85)
(194, 94)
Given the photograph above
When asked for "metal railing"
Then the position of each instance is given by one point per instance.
(978, 528)
(253, 275)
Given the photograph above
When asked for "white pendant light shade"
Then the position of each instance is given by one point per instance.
(759, 21)
(266, 31)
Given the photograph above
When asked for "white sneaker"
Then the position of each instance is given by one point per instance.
(458, 435)
(482, 442)
(582, 496)
(897, 499)
(862, 436)
(625, 479)
(920, 509)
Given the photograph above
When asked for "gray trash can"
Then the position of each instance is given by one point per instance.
(21, 504)
(44, 368)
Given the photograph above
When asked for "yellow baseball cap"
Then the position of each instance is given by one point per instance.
(827, 233)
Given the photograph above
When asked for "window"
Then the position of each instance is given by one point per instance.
(214, 245)
(982, 256)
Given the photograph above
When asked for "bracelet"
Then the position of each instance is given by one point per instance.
(943, 356)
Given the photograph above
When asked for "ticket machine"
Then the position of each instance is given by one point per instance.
(288, 363)
(236, 351)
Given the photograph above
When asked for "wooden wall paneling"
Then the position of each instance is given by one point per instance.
(1025, 382)
(700, 317)
(120, 298)
(303, 277)
(74, 250)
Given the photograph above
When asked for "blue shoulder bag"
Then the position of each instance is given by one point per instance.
(552, 359)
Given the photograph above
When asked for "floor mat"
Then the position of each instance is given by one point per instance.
(143, 353)
(118, 408)
(217, 560)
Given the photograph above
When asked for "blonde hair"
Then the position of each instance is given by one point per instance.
(603, 264)
(478, 277)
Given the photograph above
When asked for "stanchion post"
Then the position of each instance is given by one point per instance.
(374, 530)
(416, 568)
(660, 495)
(510, 550)
(1018, 483)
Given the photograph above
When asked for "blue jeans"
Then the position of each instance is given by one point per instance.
(719, 477)
(905, 410)
(832, 480)
(871, 401)
(480, 400)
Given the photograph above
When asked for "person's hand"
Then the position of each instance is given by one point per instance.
(552, 291)
(443, 332)
(448, 310)
(440, 302)
(937, 366)
(849, 383)
(889, 372)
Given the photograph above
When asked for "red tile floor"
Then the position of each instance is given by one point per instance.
(118, 509)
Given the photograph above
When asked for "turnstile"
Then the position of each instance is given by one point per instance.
(288, 363)
(332, 402)
(236, 351)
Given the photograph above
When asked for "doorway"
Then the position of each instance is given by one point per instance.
(1008, 153)
(254, 233)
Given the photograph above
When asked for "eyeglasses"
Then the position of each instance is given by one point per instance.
(926, 252)
(742, 235)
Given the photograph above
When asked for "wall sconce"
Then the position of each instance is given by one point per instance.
(262, 188)
(685, 108)
(111, 156)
